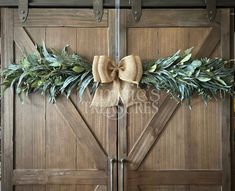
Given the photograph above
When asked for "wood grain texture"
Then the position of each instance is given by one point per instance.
(61, 149)
(226, 104)
(175, 177)
(191, 154)
(54, 176)
(192, 139)
(23, 41)
(7, 102)
(30, 133)
(152, 132)
(82, 132)
(209, 43)
(61, 18)
(112, 112)
(173, 18)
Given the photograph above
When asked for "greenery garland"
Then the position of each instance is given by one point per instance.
(55, 73)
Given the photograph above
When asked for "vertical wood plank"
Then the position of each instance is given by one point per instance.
(226, 152)
(61, 142)
(232, 43)
(90, 42)
(122, 115)
(7, 101)
(112, 112)
(30, 133)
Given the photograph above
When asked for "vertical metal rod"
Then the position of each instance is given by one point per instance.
(111, 173)
(123, 173)
(117, 30)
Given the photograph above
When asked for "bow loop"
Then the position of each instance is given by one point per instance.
(117, 80)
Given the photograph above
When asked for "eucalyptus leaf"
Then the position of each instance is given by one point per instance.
(153, 68)
(186, 58)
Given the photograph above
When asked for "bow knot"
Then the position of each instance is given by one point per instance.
(117, 81)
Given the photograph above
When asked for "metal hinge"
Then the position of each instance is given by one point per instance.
(211, 9)
(136, 9)
(98, 9)
(23, 10)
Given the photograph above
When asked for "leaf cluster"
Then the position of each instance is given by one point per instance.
(50, 72)
(181, 76)
(53, 73)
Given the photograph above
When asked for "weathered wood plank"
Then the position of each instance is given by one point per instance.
(61, 17)
(173, 18)
(7, 102)
(60, 177)
(112, 112)
(82, 132)
(148, 138)
(23, 41)
(209, 43)
(152, 132)
(175, 177)
(30, 134)
(122, 111)
(226, 104)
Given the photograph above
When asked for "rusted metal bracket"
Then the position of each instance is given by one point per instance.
(136, 9)
(211, 9)
(98, 9)
(23, 10)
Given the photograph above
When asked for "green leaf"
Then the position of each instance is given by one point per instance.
(190, 69)
(56, 64)
(188, 51)
(186, 58)
(203, 79)
(84, 85)
(78, 69)
(153, 68)
(221, 81)
(46, 54)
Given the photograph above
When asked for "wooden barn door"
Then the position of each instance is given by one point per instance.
(165, 146)
(160, 145)
(62, 146)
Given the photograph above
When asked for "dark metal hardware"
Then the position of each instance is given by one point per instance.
(124, 4)
(122, 161)
(23, 10)
(98, 9)
(211, 9)
(111, 161)
(136, 9)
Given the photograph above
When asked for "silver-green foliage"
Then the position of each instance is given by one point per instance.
(55, 73)
(181, 76)
(52, 73)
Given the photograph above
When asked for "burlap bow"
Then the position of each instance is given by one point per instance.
(118, 81)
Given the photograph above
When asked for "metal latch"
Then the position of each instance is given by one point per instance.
(136, 9)
(23, 10)
(98, 9)
(211, 9)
